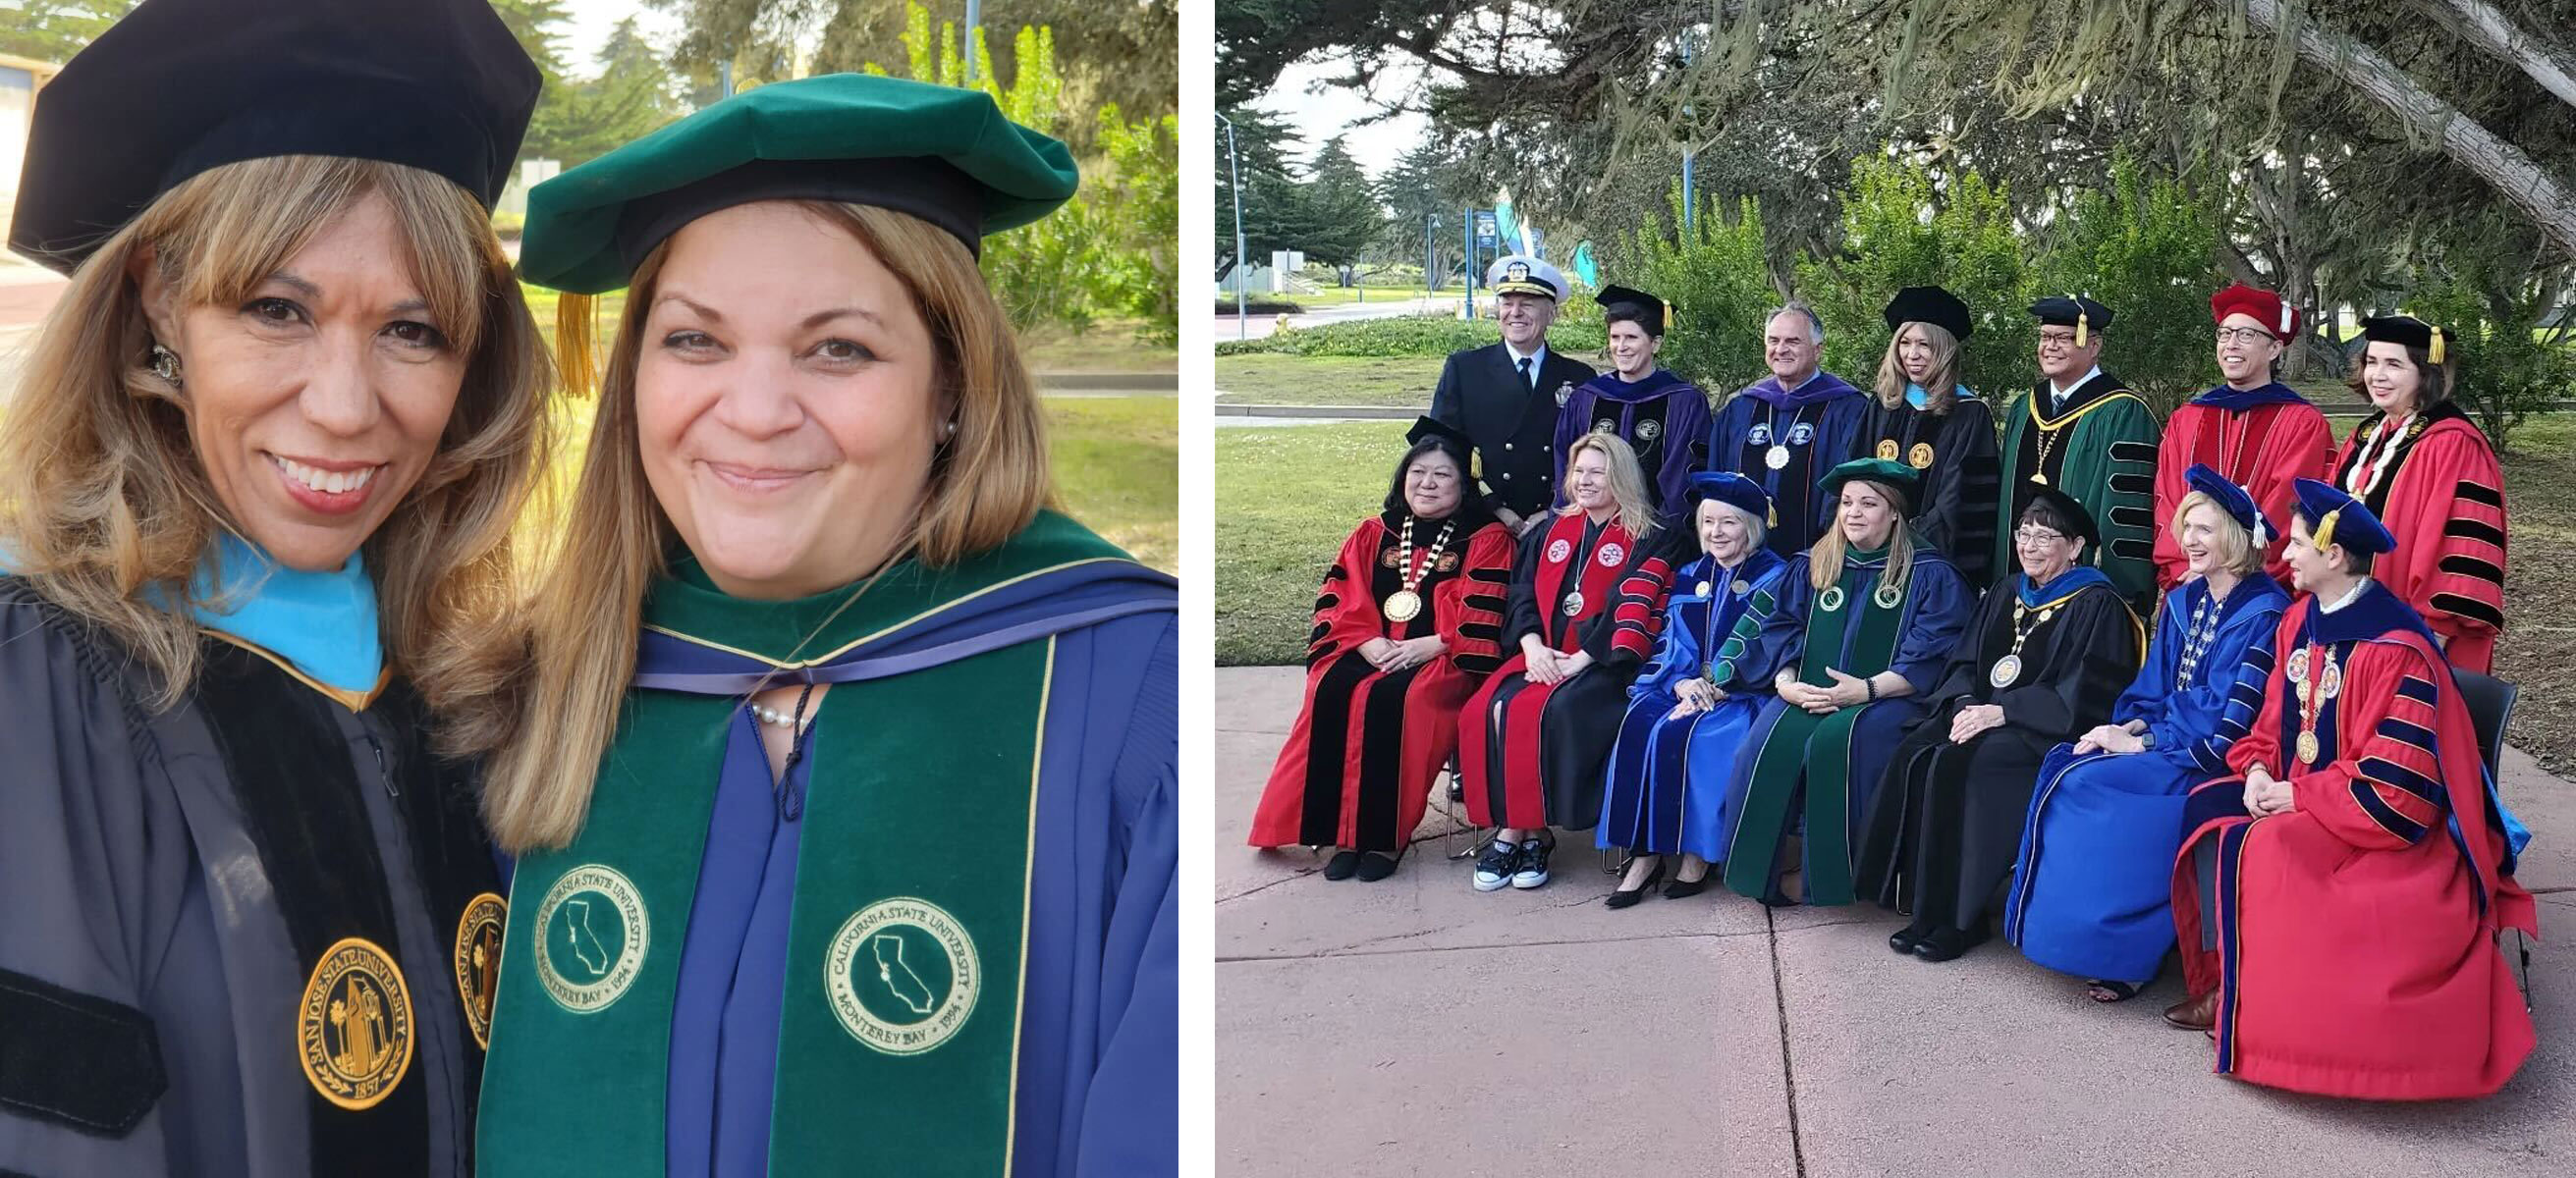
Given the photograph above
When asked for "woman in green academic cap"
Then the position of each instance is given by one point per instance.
(257, 479)
(811, 583)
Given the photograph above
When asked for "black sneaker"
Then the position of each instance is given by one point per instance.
(1533, 865)
(1497, 866)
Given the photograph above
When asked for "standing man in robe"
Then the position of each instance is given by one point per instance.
(1505, 396)
(1790, 428)
(2081, 431)
(2256, 432)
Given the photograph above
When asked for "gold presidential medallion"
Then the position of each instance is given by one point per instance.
(354, 1025)
(1704, 587)
(2007, 670)
(1887, 449)
(902, 975)
(2308, 748)
(1401, 605)
(1920, 457)
(1777, 457)
(478, 961)
(592, 934)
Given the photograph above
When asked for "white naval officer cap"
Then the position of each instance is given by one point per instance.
(1523, 274)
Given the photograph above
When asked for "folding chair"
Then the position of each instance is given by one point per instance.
(2490, 702)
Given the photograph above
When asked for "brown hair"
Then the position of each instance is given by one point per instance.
(1825, 560)
(986, 484)
(2435, 380)
(1939, 395)
(102, 496)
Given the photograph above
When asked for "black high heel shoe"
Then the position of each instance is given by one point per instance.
(1682, 888)
(1377, 865)
(1623, 897)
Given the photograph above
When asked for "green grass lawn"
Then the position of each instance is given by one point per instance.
(1117, 468)
(1286, 497)
(1265, 379)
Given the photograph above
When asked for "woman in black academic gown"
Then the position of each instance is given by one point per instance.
(256, 490)
(1926, 417)
(2045, 658)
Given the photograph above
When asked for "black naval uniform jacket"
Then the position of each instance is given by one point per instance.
(1512, 425)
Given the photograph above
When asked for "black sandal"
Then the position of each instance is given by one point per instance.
(2118, 991)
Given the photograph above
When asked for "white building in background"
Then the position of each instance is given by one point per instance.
(20, 78)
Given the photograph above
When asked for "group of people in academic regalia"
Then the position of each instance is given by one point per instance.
(2124, 689)
(329, 813)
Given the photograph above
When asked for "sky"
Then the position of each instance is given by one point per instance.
(1322, 115)
(592, 20)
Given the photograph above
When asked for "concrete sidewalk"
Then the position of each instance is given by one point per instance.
(1415, 1027)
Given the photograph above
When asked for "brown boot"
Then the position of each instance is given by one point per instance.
(2198, 1013)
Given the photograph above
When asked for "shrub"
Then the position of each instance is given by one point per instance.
(1410, 335)
(1712, 277)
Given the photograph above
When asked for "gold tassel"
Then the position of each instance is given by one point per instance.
(2434, 350)
(576, 342)
(1773, 512)
(2083, 322)
(2323, 537)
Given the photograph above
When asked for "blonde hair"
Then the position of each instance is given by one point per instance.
(1825, 560)
(103, 498)
(1636, 511)
(1942, 391)
(2237, 552)
(986, 483)
(1757, 530)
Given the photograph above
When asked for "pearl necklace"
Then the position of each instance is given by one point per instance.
(774, 716)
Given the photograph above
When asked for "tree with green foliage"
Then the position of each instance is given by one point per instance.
(2145, 247)
(1711, 277)
(54, 30)
(1424, 187)
(1340, 214)
(1906, 224)
(579, 120)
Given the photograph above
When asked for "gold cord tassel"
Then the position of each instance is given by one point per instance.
(2323, 537)
(2433, 351)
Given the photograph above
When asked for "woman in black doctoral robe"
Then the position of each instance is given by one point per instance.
(2046, 657)
(1923, 416)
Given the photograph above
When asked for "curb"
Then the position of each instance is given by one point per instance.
(1354, 412)
(1165, 381)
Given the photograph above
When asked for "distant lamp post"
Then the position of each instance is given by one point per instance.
(974, 16)
(1234, 173)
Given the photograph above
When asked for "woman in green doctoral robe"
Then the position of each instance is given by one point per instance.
(1864, 624)
(2046, 657)
(811, 584)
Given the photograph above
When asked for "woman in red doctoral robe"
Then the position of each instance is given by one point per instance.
(2348, 939)
(1407, 623)
(2426, 471)
(1587, 599)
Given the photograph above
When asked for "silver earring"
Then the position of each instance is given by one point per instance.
(165, 364)
(949, 430)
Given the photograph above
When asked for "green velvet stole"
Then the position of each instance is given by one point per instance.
(1817, 747)
(899, 1034)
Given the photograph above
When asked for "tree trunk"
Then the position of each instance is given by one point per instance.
(2514, 175)
(2483, 25)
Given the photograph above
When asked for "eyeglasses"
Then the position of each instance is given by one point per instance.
(2242, 335)
(2034, 534)
(2060, 338)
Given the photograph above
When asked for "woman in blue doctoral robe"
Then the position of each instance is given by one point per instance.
(1849, 660)
(850, 846)
(1666, 790)
(2092, 890)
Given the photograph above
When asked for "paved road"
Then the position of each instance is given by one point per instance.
(1386, 305)
(1416, 1027)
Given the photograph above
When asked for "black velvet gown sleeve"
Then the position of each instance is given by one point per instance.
(1520, 608)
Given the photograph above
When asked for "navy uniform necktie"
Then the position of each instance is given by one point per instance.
(1528, 376)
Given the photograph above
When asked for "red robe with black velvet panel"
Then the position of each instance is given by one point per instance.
(2357, 935)
(2442, 496)
(1360, 761)
(1531, 754)
(2262, 449)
